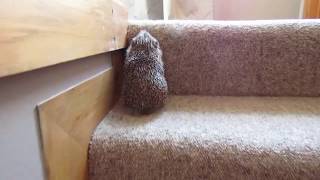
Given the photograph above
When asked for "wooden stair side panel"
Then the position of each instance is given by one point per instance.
(67, 122)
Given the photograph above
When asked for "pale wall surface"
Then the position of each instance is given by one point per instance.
(232, 9)
(256, 9)
(20, 155)
(144, 9)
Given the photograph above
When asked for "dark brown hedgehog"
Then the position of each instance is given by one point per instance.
(144, 85)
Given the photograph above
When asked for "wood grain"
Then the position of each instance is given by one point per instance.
(311, 9)
(67, 122)
(36, 33)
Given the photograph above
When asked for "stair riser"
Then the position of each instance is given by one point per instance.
(267, 58)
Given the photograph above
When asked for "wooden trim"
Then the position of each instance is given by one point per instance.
(36, 34)
(67, 122)
(311, 9)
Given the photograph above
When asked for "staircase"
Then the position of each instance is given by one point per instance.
(244, 104)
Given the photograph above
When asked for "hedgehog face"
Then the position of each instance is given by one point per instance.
(144, 41)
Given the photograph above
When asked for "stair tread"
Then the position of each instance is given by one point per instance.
(237, 132)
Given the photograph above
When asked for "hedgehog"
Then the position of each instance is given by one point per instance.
(145, 87)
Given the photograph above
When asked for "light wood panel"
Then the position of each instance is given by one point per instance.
(67, 122)
(39, 33)
(311, 9)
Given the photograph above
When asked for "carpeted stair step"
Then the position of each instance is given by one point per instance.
(196, 137)
(269, 58)
(212, 137)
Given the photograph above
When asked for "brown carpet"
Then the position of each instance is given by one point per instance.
(196, 137)
(269, 58)
(206, 137)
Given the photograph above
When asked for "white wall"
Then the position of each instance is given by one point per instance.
(144, 9)
(232, 9)
(256, 9)
(20, 155)
(188, 9)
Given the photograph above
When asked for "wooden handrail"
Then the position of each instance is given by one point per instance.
(35, 34)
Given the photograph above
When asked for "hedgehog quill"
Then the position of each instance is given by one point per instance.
(145, 88)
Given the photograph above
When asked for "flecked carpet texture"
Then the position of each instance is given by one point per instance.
(208, 135)
(196, 137)
(267, 58)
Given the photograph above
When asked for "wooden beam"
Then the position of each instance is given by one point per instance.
(67, 122)
(36, 33)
